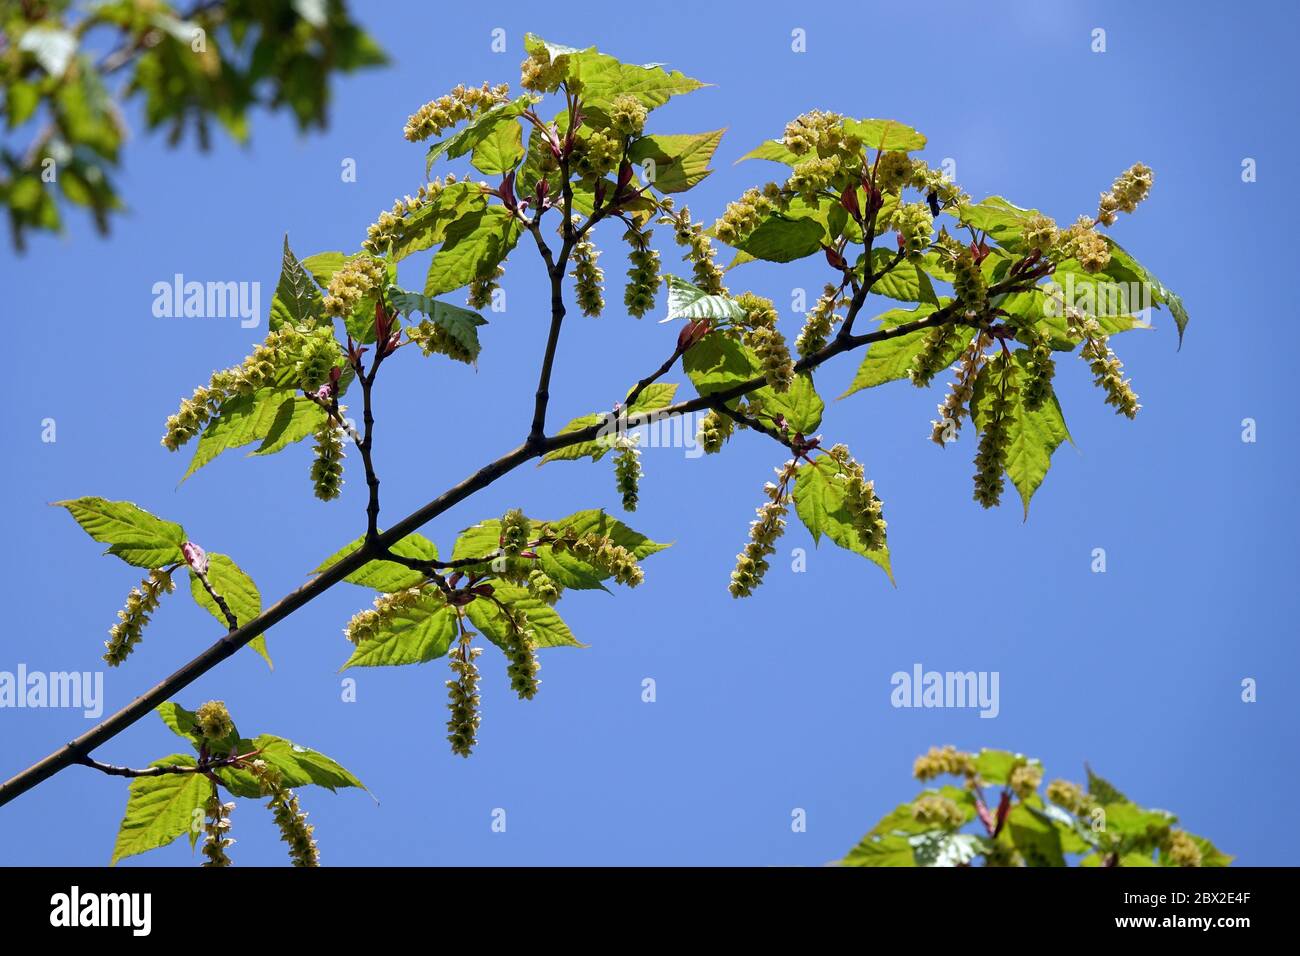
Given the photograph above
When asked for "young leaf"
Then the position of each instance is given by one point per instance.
(655, 396)
(686, 301)
(297, 300)
(783, 238)
(461, 323)
(774, 150)
(475, 245)
(549, 629)
(237, 590)
(718, 362)
(819, 501)
(270, 416)
(500, 150)
(477, 130)
(385, 575)
(1034, 435)
(427, 226)
(1036, 836)
(161, 808)
(885, 134)
(905, 281)
(301, 766)
(680, 161)
(889, 359)
(133, 534)
(412, 635)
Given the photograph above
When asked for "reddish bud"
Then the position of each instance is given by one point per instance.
(902, 243)
(454, 578)
(691, 333)
(482, 590)
(460, 598)
(834, 258)
(933, 200)
(195, 557)
(849, 200)
(624, 175)
(1004, 807)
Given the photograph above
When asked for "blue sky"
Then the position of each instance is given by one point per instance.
(780, 701)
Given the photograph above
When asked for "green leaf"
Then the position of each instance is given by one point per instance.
(890, 359)
(1122, 260)
(161, 808)
(1002, 220)
(885, 134)
(1103, 790)
(301, 766)
(782, 238)
(774, 150)
(718, 362)
(686, 301)
(361, 323)
(477, 130)
(680, 161)
(385, 575)
(655, 396)
(483, 540)
(270, 415)
(549, 629)
(184, 723)
(133, 534)
(297, 300)
(819, 501)
(995, 766)
(475, 245)
(1034, 435)
(602, 78)
(237, 590)
(295, 419)
(892, 850)
(1036, 836)
(427, 226)
(412, 635)
(905, 281)
(461, 323)
(500, 150)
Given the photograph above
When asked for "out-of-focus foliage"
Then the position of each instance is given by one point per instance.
(67, 70)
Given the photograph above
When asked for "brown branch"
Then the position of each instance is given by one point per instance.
(226, 612)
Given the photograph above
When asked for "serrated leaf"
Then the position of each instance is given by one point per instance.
(237, 590)
(1034, 436)
(161, 808)
(133, 534)
(1002, 220)
(655, 396)
(1036, 836)
(602, 78)
(1103, 790)
(680, 160)
(995, 766)
(892, 850)
(242, 420)
(783, 238)
(477, 130)
(686, 301)
(427, 226)
(301, 766)
(885, 134)
(718, 362)
(474, 246)
(890, 359)
(906, 281)
(819, 500)
(461, 323)
(774, 150)
(295, 419)
(297, 300)
(549, 629)
(500, 150)
(386, 576)
(411, 635)
(483, 540)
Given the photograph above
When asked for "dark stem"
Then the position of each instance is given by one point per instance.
(237, 638)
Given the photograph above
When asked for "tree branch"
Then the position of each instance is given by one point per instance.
(78, 750)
